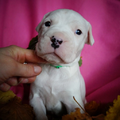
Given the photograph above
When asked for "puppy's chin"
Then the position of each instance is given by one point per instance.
(54, 59)
(51, 58)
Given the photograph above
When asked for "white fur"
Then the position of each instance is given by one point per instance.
(55, 86)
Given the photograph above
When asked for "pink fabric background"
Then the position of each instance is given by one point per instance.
(101, 62)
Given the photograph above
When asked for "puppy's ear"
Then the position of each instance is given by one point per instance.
(40, 24)
(90, 39)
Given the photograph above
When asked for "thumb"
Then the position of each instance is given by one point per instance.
(27, 70)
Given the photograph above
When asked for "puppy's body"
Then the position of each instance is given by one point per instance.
(57, 85)
(60, 44)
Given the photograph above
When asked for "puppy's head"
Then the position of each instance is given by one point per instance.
(62, 35)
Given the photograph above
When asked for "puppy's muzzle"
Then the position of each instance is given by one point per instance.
(56, 42)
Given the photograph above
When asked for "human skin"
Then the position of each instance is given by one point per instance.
(12, 68)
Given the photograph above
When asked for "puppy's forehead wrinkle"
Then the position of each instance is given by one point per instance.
(64, 21)
(65, 16)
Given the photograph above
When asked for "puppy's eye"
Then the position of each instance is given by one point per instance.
(47, 24)
(78, 32)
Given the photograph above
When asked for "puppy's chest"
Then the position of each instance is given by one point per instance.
(53, 80)
(51, 75)
(54, 84)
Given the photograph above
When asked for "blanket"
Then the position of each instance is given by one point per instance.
(101, 62)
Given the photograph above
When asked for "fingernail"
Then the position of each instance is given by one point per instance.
(24, 80)
(4, 87)
(37, 69)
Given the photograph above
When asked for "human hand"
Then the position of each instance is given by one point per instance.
(12, 69)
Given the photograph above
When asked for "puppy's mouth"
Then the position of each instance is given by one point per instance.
(50, 57)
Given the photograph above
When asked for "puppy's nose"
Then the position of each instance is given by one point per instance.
(55, 42)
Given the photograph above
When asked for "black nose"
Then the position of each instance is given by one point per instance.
(55, 42)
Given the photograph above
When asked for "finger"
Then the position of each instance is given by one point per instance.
(25, 55)
(30, 56)
(27, 70)
(4, 87)
(27, 80)
(12, 81)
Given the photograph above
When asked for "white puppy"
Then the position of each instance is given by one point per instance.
(61, 37)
